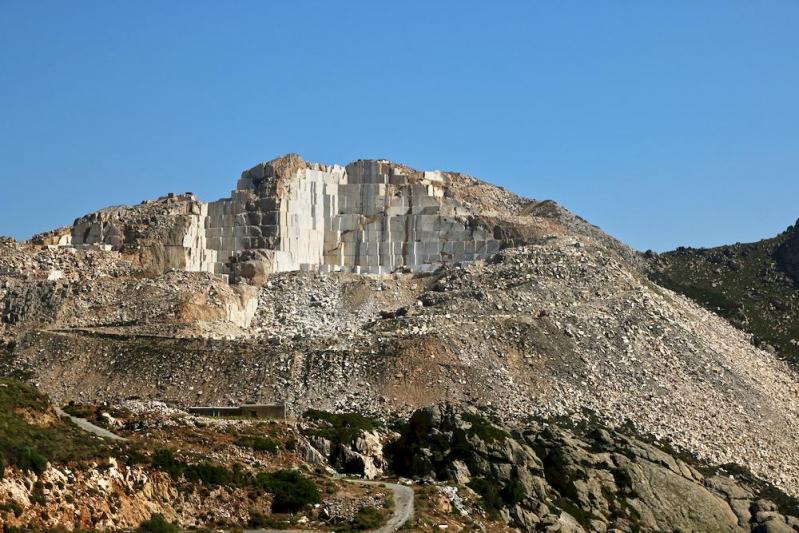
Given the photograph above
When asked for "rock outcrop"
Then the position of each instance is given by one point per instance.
(550, 478)
(788, 253)
(372, 216)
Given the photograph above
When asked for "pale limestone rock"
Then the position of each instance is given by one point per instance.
(371, 216)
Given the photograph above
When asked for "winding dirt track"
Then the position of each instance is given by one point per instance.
(403, 509)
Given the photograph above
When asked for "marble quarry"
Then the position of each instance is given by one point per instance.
(372, 216)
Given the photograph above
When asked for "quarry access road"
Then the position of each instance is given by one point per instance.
(403, 508)
(85, 425)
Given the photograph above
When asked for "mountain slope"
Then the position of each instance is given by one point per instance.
(549, 329)
(561, 321)
(755, 286)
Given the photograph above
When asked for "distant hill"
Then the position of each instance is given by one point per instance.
(755, 286)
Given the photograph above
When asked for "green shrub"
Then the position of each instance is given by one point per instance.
(491, 501)
(204, 471)
(165, 461)
(241, 477)
(366, 519)
(79, 410)
(37, 494)
(291, 490)
(344, 427)
(11, 507)
(257, 520)
(513, 492)
(261, 521)
(29, 458)
(135, 457)
(158, 524)
(484, 429)
(259, 444)
(208, 473)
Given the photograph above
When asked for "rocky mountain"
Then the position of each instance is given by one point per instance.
(379, 290)
(754, 285)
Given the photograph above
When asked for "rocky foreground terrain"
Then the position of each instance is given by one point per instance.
(463, 472)
(603, 399)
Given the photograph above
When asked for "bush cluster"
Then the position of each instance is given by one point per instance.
(204, 471)
(158, 524)
(291, 490)
(259, 444)
(343, 428)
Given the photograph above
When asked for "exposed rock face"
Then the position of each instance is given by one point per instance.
(108, 498)
(372, 216)
(286, 214)
(546, 478)
(788, 253)
(168, 233)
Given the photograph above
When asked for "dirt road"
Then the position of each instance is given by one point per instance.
(403, 508)
(85, 425)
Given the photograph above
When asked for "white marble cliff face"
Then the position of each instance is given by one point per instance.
(286, 214)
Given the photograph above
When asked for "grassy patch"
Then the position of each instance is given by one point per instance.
(490, 500)
(80, 410)
(259, 444)
(366, 519)
(27, 444)
(483, 429)
(584, 518)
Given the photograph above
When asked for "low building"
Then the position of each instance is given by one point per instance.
(248, 410)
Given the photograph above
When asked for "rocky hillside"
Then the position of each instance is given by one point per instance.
(463, 472)
(549, 477)
(547, 329)
(755, 286)
(560, 321)
(172, 471)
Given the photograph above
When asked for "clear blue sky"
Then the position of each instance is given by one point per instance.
(664, 123)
